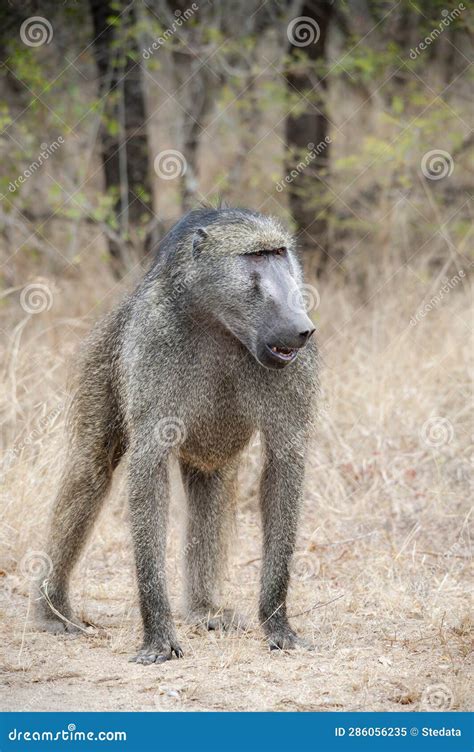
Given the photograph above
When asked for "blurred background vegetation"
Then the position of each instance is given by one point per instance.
(241, 96)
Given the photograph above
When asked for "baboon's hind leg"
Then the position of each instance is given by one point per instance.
(83, 488)
(211, 510)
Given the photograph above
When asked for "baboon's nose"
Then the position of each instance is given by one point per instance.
(304, 336)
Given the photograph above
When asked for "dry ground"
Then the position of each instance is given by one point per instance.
(381, 576)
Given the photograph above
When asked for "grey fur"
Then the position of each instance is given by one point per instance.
(179, 367)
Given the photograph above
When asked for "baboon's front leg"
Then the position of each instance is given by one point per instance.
(281, 496)
(149, 500)
(211, 509)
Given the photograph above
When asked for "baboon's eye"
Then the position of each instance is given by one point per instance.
(256, 255)
(270, 252)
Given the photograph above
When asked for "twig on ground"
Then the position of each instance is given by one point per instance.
(317, 605)
(44, 591)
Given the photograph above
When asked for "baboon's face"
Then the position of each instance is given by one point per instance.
(256, 296)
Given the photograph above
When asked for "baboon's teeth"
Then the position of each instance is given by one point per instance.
(283, 352)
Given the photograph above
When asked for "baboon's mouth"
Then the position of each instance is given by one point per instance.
(283, 354)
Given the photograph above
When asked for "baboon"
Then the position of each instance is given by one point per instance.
(213, 346)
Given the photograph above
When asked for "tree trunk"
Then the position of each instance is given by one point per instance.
(195, 84)
(123, 136)
(307, 134)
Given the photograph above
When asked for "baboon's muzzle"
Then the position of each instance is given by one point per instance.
(281, 343)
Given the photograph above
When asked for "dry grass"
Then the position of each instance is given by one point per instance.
(381, 574)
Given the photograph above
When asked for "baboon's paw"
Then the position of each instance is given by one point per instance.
(57, 626)
(53, 626)
(226, 619)
(286, 639)
(300, 642)
(223, 619)
(158, 653)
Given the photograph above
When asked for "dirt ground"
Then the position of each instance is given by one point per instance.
(378, 646)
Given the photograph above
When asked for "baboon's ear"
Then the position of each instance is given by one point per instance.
(199, 237)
